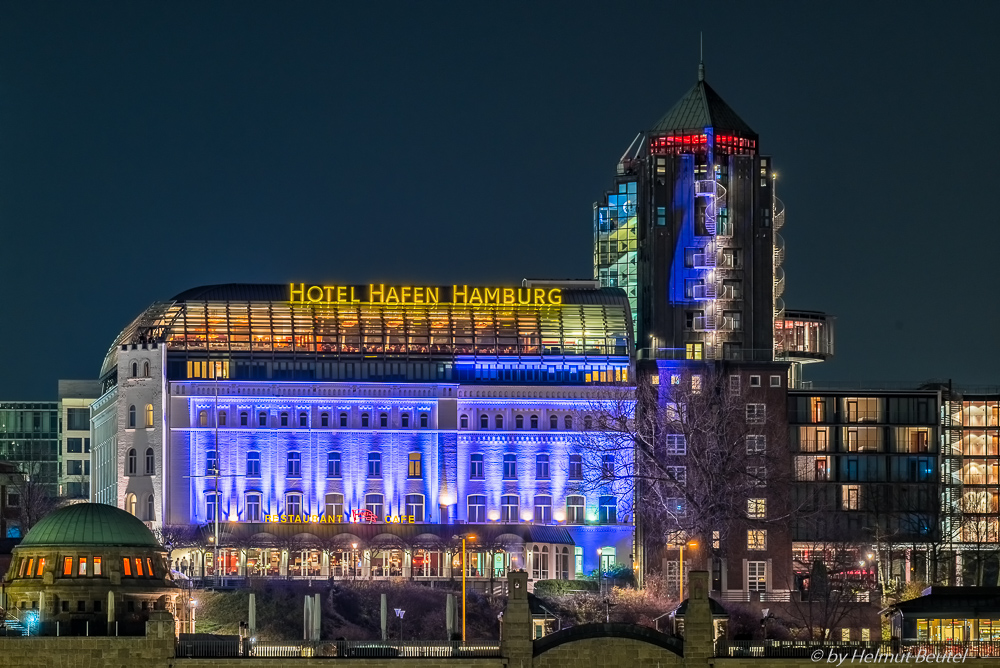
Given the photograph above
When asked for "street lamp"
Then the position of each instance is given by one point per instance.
(692, 544)
(464, 537)
(399, 613)
(354, 561)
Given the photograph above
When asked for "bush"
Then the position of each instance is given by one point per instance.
(561, 587)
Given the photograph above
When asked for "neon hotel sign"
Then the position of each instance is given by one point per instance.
(379, 293)
(356, 517)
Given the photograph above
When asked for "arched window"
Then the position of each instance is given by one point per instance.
(364, 419)
(423, 420)
(244, 419)
(130, 503)
(544, 567)
(150, 509)
(373, 504)
(536, 561)
(262, 418)
(284, 419)
(588, 422)
(333, 465)
(519, 422)
(135, 369)
(542, 467)
(553, 422)
(303, 420)
(149, 415)
(415, 506)
(404, 420)
(477, 509)
(498, 422)
(131, 417)
(484, 422)
(568, 422)
(253, 464)
(463, 422)
(324, 419)
(374, 465)
(145, 369)
(509, 508)
(343, 419)
(293, 465)
(510, 466)
(543, 509)
(383, 420)
(534, 422)
(150, 461)
(202, 418)
(222, 418)
(211, 462)
(130, 462)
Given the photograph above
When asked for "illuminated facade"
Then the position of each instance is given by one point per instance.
(355, 431)
(75, 397)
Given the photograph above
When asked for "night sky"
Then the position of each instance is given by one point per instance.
(146, 148)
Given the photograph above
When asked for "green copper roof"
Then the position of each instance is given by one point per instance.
(702, 108)
(90, 524)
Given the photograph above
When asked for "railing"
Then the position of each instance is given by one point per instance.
(362, 649)
(740, 596)
(703, 292)
(779, 250)
(704, 260)
(867, 652)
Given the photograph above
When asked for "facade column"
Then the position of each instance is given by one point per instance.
(283, 566)
(242, 568)
(407, 564)
(907, 567)
(324, 563)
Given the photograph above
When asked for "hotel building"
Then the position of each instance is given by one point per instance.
(356, 431)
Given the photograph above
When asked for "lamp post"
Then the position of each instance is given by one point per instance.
(464, 537)
(399, 613)
(354, 561)
(693, 544)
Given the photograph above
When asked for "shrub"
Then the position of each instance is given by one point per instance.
(561, 587)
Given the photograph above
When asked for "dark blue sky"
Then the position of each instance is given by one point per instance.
(146, 148)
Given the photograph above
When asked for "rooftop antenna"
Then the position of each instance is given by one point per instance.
(701, 56)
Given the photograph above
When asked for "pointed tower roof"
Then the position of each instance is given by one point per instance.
(701, 108)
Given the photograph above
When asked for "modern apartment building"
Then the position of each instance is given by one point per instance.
(75, 397)
(29, 438)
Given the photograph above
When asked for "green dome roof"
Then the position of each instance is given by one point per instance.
(90, 524)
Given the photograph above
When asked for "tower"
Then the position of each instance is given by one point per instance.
(689, 231)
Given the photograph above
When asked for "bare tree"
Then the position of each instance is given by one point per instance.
(35, 495)
(699, 450)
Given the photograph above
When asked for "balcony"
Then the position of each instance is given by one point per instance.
(706, 292)
(706, 260)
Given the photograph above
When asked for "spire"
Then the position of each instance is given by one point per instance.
(701, 57)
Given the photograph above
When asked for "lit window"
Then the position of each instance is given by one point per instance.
(757, 539)
(127, 566)
(293, 504)
(696, 384)
(845, 634)
(756, 576)
(149, 415)
(253, 507)
(675, 379)
(694, 351)
(757, 508)
(415, 506)
(334, 507)
(851, 497)
(414, 469)
(476, 466)
(373, 504)
(202, 418)
(97, 566)
(68, 566)
(222, 418)
(82, 567)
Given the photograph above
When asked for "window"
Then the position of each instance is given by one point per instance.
(364, 419)
(253, 507)
(303, 420)
(607, 510)
(343, 419)
(694, 351)
(851, 497)
(519, 422)
(607, 466)
(733, 320)
(150, 509)
(756, 413)
(374, 465)
(414, 468)
(75, 445)
(145, 369)
(131, 417)
(510, 508)
(149, 572)
(324, 419)
(262, 419)
(476, 466)
(696, 384)
(293, 503)
(477, 508)
(756, 576)
(553, 422)
(97, 571)
(757, 539)
(253, 464)
(542, 467)
(130, 462)
(676, 507)
(244, 419)
(67, 566)
(404, 420)
(534, 422)
(510, 467)
(676, 444)
(293, 464)
(568, 422)
(845, 635)
(756, 444)
(424, 420)
(284, 419)
(463, 422)
(222, 418)
(74, 467)
(150, 461)
(211, 505)
(333, 465)
(575, 508)
(775, 381)
(588, 422)
(149, 415)
(383, 420)
(127, 566)
(754, 381)
(334, 507)
(734, 385)
(130, 505)
(202, 418)
(757, 475)
(82, 566)
(757, 508)
(543, 509)
(373, 504)
(484, 422)
(576, 467)
(415, 506)
(135, 369)
(676, 473)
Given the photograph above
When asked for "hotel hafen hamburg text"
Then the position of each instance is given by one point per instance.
(356, 431)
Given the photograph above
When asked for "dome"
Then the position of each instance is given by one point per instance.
(90, 524)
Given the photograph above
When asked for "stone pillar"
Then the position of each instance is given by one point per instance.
(324, 564)
(283, 564)
(515, 633)
(160, 634)
(407, 564)
(699, 633)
